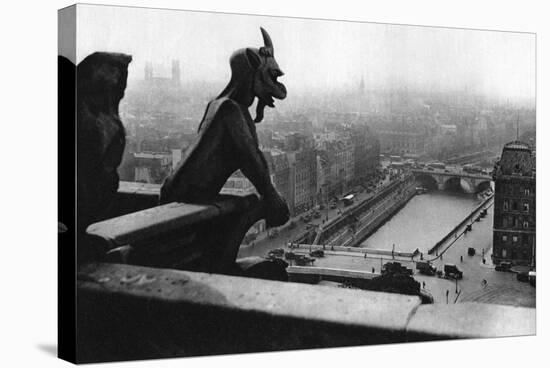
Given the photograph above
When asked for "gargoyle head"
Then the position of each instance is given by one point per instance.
(101, 80)
(266, 86)
(254, 72)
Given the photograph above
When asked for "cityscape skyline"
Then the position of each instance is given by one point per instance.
(492, 63)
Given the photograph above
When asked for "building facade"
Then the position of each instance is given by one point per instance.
(303, 179)
(514, 220)
(401, 142)
(366, 153)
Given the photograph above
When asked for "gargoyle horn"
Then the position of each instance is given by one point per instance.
(268, 44)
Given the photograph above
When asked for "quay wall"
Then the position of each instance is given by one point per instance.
(463, 223)
(368, 229)
(348, 216)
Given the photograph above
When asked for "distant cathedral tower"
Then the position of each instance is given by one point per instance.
(176, 74)
(362, 86)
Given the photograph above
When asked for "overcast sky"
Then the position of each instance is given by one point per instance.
(316, 54)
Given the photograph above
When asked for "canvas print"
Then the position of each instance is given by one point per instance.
(233, 183)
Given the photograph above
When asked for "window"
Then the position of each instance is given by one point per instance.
(504, 238)
(514, 239)
(504, 222)
(514, 205)
(526, 206)
(527, 191)
(505, 206)
(525, 224)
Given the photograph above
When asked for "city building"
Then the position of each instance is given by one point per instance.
(514, 212)
(152, 167)
(303, 179)
(279, 168)
(366, 153)
(336, 167)
(401, 141)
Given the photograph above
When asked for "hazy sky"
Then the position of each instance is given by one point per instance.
(316, 54)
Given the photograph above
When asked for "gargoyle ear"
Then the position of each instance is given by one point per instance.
(253, 58)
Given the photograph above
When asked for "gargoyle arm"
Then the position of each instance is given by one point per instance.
(254, 165)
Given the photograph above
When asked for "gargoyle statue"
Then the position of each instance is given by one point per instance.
(227, 139)
(101, 82)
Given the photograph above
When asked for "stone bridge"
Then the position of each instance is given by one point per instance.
(453, 179)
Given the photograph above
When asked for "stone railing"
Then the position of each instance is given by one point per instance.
(203, 237)
(135, 312)
(148, 309)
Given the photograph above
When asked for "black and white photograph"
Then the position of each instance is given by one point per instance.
(257, 183)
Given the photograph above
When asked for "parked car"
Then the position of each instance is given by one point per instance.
(317, 253)
(426, 268)
(396, 267)
(302, 260)
(523, 276)
(451, 271)
(503, 267)
(290, 255)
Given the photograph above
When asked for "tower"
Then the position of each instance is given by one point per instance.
(514, 209)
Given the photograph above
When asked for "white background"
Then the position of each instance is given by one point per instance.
(28, 250)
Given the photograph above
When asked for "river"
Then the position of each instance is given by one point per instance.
(423, 221)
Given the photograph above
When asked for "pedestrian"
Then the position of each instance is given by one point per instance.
(373, 270)
(483, 260)
(461, 259)
(423, 284)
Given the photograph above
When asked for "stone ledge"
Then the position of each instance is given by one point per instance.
(343, 306)
(472, 320)
(131, 312)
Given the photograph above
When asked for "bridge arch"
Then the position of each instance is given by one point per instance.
(427, 181)
(483, 185)
(458, 184)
